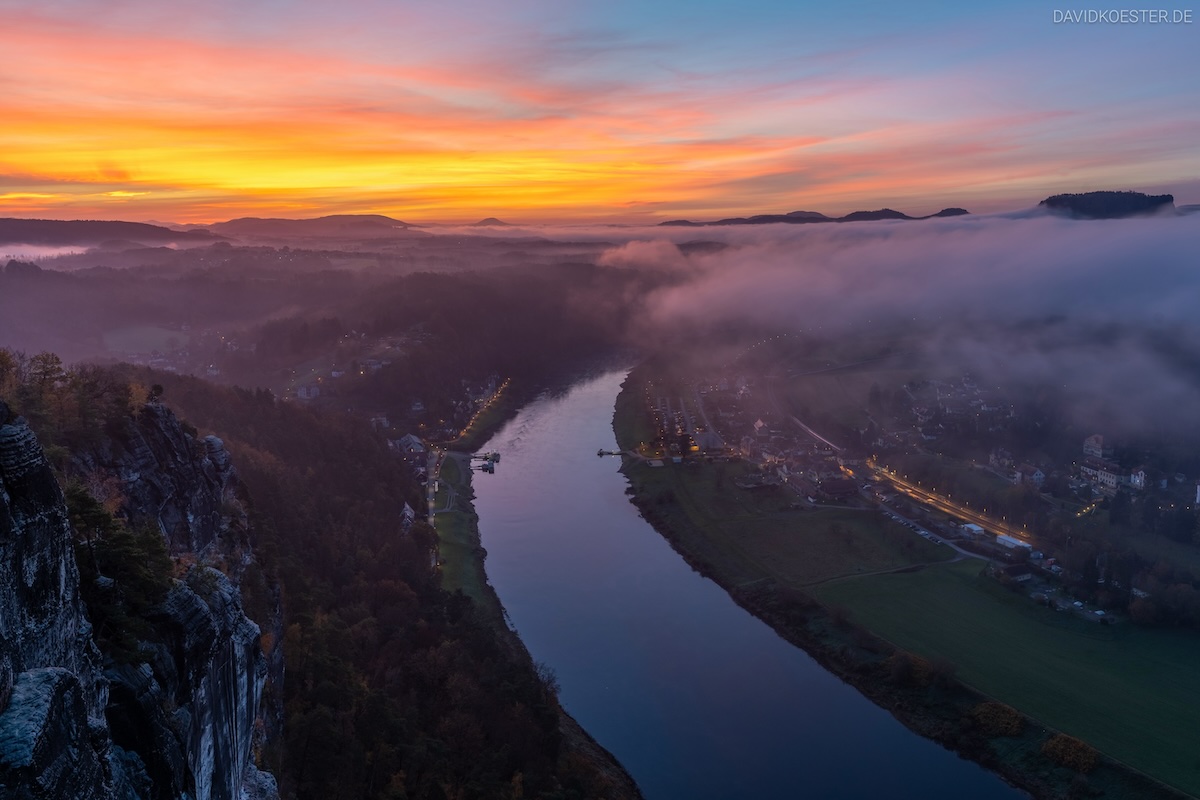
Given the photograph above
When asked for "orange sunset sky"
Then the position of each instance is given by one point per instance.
(548, 111)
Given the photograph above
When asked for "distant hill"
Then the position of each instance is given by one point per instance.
(55, 232)
(490, 222)
(869, 216)
(338, 226)
(805, 217)
(762, 219)
(1108, 205)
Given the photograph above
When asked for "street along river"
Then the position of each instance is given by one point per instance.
(696, 697)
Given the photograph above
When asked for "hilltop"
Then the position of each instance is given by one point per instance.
(334, 226)
(1108, 205)
(55, 232)
(806, 217)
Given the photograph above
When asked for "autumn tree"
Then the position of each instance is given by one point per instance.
(1069, 752)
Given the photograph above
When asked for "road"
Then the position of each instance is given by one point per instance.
(948, 505)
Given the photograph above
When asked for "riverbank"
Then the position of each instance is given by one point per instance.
(727, 534)
(499, 409)
(582, 759)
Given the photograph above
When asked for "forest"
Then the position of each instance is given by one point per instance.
(393, 688)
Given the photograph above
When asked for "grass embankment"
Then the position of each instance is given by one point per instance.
(459, 550)
(1132, 693)
(966, 636)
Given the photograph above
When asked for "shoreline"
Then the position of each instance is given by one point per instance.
(578, 744)
(925, 697)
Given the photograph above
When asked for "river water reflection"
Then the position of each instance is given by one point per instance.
(697, 698)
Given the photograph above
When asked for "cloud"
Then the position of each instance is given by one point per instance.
(657, 255)
(984, 268)
(1103, 311)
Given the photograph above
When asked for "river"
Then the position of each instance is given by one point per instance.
(696, 697)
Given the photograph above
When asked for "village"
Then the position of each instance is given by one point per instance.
(886, 467)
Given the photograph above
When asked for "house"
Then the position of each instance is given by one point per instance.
(407, 517)
(1030, 475)
(1137, 479)
(1106, 475)
(1093, 447)
(1018, 573)
(411, 446)
(1000, 459)
(308, 391)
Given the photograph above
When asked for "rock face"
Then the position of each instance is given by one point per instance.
(192, 710)
(167, 477)
(181, 724)
(47, 748)
(52, 694)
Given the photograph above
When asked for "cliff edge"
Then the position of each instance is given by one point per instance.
(177, 715)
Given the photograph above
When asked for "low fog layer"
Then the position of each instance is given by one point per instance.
(1104, 311)
(981, 269)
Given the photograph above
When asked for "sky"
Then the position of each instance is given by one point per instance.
(544, 111)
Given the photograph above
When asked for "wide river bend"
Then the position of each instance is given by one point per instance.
(696, 697)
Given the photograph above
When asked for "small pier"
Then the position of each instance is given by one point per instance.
(485, 462)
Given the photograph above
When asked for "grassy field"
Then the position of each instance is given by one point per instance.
(144, 339)
(458, 537)
(752, 534)
(749, 535)
(1132, 693)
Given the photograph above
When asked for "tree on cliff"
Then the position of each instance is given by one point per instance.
(124, 574)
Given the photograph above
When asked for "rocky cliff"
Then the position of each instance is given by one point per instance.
(180, 720)
(53, 736)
